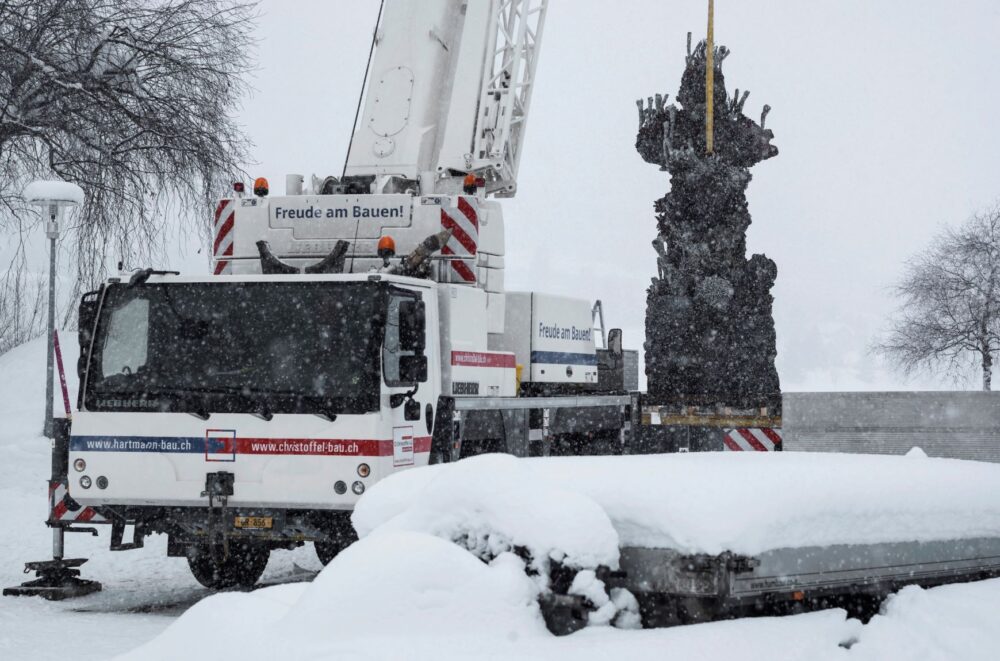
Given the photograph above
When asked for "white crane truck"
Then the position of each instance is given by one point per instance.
(249, 409)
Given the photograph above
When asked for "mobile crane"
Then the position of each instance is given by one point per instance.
(351, 328)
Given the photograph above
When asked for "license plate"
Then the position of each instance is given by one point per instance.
(254, 522)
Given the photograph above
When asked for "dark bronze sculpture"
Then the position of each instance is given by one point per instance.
(710, 337)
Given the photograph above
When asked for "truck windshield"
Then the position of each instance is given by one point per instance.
(266, 347)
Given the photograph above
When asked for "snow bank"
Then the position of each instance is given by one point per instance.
(405, 595)
(942, 624)
(491, 504)
(220, 624)
(372, 604)
(381, 596)
(697, 502)
(422, 585)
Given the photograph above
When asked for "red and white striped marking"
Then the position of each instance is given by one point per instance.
(61, 507)
(225, 215)
(464, 225)
(752, 439)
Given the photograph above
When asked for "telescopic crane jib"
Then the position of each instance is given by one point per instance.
(447, 94)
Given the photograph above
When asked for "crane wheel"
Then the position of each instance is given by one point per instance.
(241, 568)
(330, 548)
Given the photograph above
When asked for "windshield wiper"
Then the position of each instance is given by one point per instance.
(142, 275)
(199, 409)
(325, 410)
(196, 401)
(201, 412)
(263, 408)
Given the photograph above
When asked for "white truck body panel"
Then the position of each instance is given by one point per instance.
(303, 229)
(552, 336)
(468, 367)
(291, 461)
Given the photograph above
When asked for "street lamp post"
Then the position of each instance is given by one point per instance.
(52, 197)
(58, 578)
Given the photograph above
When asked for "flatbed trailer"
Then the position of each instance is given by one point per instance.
(675, 587)
(625, 423)
(707, 536)
(537, 426)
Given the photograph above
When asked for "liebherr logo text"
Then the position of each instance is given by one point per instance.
(129, 444)
(304, 447)
(128, 403)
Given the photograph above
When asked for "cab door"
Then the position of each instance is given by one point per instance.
(409, 364)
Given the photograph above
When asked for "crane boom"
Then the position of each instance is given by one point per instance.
(449, 94)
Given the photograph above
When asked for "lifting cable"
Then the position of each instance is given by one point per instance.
(361, 94)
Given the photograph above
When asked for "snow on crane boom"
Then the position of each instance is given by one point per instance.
(448, 94)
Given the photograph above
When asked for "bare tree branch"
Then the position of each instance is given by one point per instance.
(951, 302)
(131, 99)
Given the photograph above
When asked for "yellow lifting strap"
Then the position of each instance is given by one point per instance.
(710, 82)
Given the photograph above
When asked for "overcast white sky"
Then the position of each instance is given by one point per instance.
(884, 112)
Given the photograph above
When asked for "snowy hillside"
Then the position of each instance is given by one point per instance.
(398, 594)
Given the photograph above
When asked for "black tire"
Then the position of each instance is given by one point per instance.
(483, 432)
(656, 610)
(562, 615)
(330, 548)
(485, 446)
(695, 610)
(241, 568)
(597, 443)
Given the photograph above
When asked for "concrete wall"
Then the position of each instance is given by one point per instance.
(960, 425)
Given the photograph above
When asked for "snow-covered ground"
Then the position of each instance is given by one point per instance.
(403, 593)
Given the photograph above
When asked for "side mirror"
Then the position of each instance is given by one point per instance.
(413, 369)
(412, 323)
(411, 410)
(615, 341)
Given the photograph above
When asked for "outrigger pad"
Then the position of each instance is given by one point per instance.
(57, 580)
